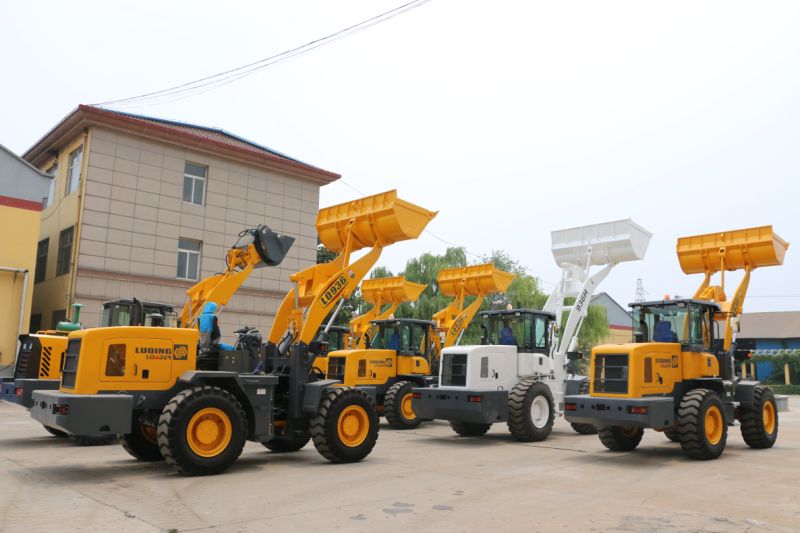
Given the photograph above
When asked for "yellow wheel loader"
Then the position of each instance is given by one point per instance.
(404, 353)
(678, 376)
(38, 363)
(145, 385)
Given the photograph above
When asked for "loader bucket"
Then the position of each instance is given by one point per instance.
(731, 250)
(395, 290)
(381, 219)
(271, 246)
(477, 280)
(600, 244)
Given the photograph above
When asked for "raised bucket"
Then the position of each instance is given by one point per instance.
(731, 250)
(608, 242)
(394, 290)
(478, 280)
(379, 219)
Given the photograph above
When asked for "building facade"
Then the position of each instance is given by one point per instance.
(22, 194)
(145, 207)
(620, 324)
(769, 334)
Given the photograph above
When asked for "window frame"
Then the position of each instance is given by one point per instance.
(74, 162)
(64, 257)
(51, 193)
(194, 178)
(40, 271)
(188, 252)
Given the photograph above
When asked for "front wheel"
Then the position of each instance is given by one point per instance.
(397, 406)
(701, 424)
(287, 444)
(201, 431)
(672, 434)
(470, 429)
(345, 428)
(760, 421)
(530, 411)
(620, 438)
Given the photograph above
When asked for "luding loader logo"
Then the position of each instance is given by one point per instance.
(332, 291)
(180, 352)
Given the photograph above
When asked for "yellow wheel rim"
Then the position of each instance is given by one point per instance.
(769, 417)
(209, 432)
(714, 425)
(405, 407)
(353, 425)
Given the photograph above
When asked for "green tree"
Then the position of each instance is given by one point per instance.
(594, 329)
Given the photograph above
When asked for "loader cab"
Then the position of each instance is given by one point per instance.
(527, 329)
(121, 312)
(405, 336)
(691, 323)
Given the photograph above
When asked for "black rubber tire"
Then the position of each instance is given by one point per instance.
(55, 432)
(672, 434)
(520, 423)
(83, 440)
(619, 438)
(691, 424)
(173, 422)
(282, 444)
(324, 425)
(470, 429)
(140, 444)
(584, 429)
(393, 406)
(752, 420)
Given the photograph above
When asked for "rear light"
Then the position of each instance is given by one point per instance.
(474, 399)
(637, 410)
(18, 392)
(570, 407)
(60, 409)
(416, 395)
(749, 355)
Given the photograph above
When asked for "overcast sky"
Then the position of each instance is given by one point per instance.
(510, 118)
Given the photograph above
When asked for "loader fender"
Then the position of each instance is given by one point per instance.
(313, 392)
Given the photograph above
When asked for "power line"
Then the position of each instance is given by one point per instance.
(207, 83)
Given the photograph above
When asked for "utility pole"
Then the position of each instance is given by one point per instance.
(640, 292)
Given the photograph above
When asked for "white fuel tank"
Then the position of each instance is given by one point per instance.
(533, 364)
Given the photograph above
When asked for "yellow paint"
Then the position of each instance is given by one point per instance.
(57, 293)
(165, 353)
(53, 347)
(379, 292)
(713, 425)
(20, 238)
(209, 432)
(353, 426)
(406, 407)
(769, 417)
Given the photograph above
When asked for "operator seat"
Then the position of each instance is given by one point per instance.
(663, 332)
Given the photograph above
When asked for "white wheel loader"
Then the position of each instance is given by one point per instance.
(518, 374)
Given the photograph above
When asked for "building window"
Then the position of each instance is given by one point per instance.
(188, 259)
(51, 194)
(64, 252)
(59, 316)
(194, 183)
(74, 170)
(35, 323)
(41, 261)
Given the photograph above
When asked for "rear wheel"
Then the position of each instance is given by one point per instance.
(345, 428)
(702, 426)
(142, 442)
(202, 431)
(620, 438)
(287, 444)
(760, 421)
(584, 429)
(55, 432)
(397, 406)
(470, 429)
(530, 411)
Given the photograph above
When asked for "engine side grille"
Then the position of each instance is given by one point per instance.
(70, 370)
(44, 365)
(611, 373)
(28, 358)
(454, 370)
(336, 368)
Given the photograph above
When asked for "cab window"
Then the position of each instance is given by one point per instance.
(115, 360)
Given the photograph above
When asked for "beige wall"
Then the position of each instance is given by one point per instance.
(133, 216)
